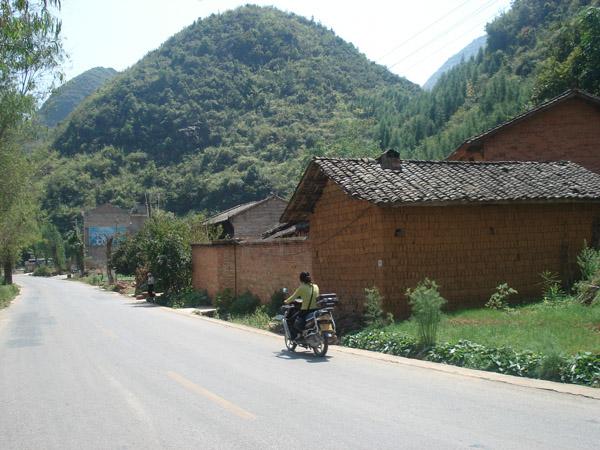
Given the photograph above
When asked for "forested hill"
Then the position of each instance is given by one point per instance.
(226, 111)
(68, 96)
(266, 80)
(534, 51)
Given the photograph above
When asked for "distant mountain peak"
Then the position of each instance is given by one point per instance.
(68, 96)
(465, 54)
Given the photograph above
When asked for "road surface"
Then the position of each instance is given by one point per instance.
(85, 369)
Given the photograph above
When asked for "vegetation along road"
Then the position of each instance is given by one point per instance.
(83, 369)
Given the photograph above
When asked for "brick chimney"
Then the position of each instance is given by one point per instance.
(390, 159)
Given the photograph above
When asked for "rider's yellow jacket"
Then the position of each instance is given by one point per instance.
(308, 293)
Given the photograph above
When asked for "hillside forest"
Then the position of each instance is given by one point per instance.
(234, 106)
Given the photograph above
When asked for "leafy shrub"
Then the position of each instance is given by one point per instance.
(276, 302)
(373, 315)
(223, 301)
(550, 367)
(499, 299)
(582, 368)
(501, 360)
(382, 341)
(588, 261)
(244, 304)
(426, 303)
(588, 288)
(189, 298)
(42, 271)
(7, 293)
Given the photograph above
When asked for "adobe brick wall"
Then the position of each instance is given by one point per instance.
(253, 222)
(468, 250)
(568, 131)
(213, 267)
(260, 267)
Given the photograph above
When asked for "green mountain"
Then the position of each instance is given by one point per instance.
(224, 112)
(465, 54)
(67, 97)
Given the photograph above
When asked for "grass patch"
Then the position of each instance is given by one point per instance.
(258, 319)
(565, 327)
(7, 294)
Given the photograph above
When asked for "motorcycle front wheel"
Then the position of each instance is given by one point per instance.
(321, 349)
(289, 344)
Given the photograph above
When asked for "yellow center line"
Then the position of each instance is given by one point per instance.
(225, 404)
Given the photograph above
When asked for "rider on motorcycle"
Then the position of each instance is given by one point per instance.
(309, 292)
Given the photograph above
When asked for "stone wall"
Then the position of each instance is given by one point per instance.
(568, 131)
(468, 249)
(261, 267)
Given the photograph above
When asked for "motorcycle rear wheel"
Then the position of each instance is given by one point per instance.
(290, 345)
(321, 350)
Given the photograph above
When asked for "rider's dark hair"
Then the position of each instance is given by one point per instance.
(305, 277)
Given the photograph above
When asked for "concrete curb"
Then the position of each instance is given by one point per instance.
(570, 389)
(531, 383)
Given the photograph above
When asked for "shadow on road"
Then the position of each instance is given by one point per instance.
(143, 304)
(309, 357)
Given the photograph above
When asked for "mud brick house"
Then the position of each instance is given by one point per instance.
(251, 254)
(390, 223)
(104, 221)
(564, 128)
(249, 220)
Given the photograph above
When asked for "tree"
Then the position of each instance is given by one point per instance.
(18, 210)
(574, 61)
(30, 48)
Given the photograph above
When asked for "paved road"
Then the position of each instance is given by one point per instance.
(85, 369)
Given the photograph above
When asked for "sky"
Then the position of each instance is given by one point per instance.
(413, 38)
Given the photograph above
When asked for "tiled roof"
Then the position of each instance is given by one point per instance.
(231, 212)
(571, 93)
(443, 182)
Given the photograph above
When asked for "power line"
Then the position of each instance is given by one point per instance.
(441, 48)
(422, 31)
(475, 13)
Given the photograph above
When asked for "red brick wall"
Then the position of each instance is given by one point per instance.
(567, 131)
(260, 267)
(468, 250)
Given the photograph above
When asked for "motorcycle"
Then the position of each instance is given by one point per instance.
(319, 328)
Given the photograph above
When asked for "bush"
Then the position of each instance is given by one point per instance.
(7, 294)
(223, 301)
(582, 368)
(550, 367)
(42, 271)
(244, 304)
(499, 299)
(588, 288)
(382, 341)
(276, 302)
(426, 303)
(373, 315)
(188, 298)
